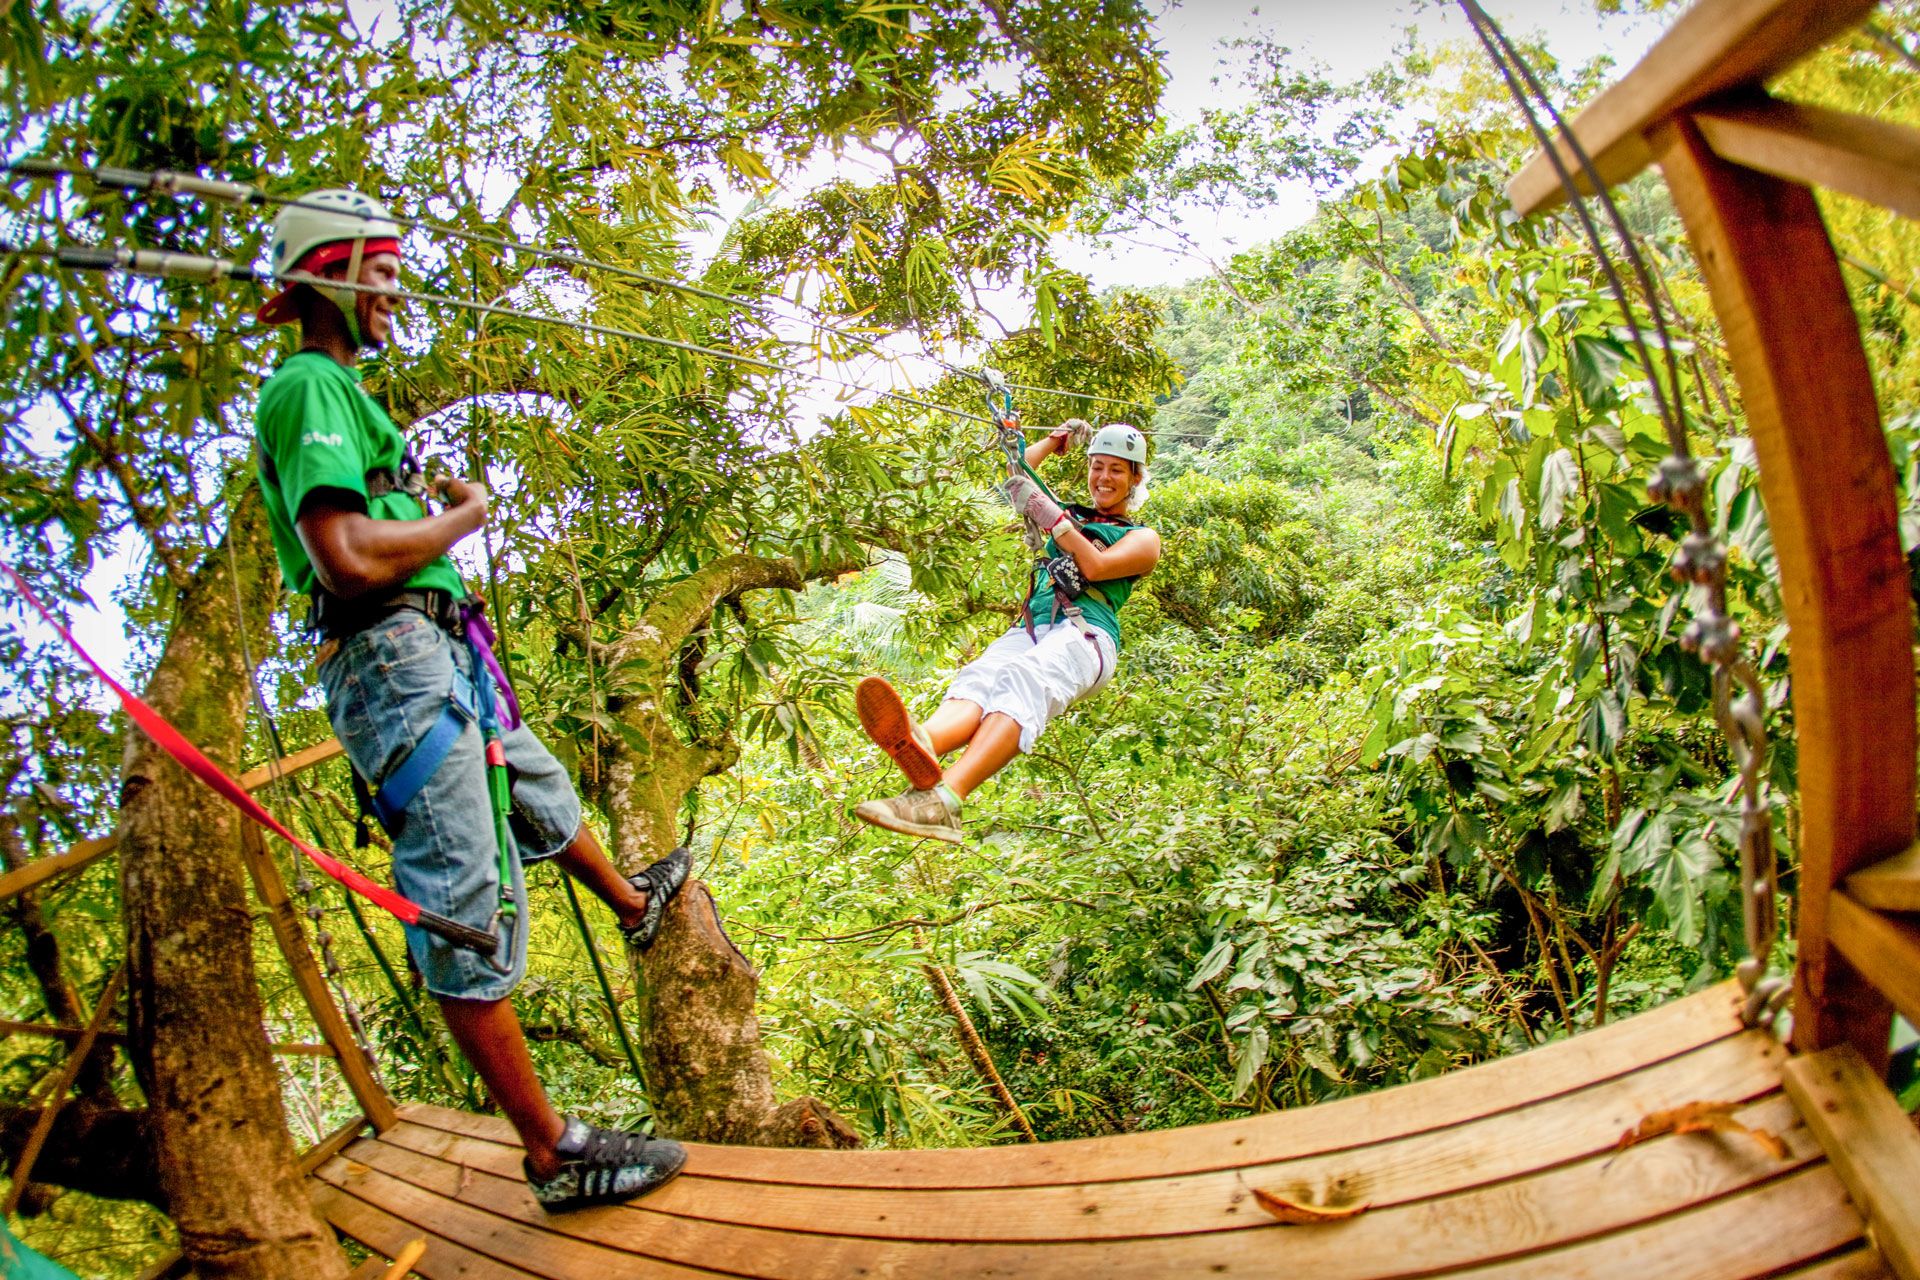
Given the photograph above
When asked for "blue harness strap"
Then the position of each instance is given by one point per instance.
(403, 784)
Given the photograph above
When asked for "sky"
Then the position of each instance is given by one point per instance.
(1349, 36)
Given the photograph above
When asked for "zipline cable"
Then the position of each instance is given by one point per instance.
(172, 182)
(191, 266)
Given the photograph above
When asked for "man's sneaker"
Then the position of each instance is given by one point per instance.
(605, 1166)
(661, 882)
(917, 813)
(887, 722)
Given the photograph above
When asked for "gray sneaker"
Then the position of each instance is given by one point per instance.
(917, 813)
(604, 1166)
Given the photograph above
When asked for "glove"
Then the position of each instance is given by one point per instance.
(1071, 434)
(1028, 499)
(1067, 578)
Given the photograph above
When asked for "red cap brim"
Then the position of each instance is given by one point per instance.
(280, 308)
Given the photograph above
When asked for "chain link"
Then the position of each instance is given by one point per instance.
(1740, 708)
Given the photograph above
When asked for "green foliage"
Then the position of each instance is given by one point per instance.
(1405, 765)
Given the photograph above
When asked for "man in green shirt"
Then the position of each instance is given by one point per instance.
(399, 665)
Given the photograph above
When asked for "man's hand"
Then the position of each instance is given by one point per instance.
(1031, 502)
(457, 492)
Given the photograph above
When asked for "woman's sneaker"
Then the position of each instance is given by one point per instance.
(934, 814)
(606, 1166)
(888, 723)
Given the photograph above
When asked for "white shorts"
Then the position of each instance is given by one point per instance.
(1035, 680)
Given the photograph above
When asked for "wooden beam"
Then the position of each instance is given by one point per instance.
(69, 1034)
(287, 766)
(1871, 1144)
(88, 852)
(1892, 884)
(284, 919)
(41, 870)
(1716, 45)
(1883, 948)
(1828, 484)
(1875, 160)
(43, 1126)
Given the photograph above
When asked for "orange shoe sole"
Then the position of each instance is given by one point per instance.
(885, 719)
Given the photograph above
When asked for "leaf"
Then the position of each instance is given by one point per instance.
(1700, 1117)
(1559, 480)
(1295, 1210)
(1596, 363)
(1213, 964)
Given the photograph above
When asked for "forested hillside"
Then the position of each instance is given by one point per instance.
(1406, 765)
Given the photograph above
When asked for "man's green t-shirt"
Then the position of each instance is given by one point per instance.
(1104, 614)
(317, 429)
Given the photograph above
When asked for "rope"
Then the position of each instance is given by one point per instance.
(1739, 702)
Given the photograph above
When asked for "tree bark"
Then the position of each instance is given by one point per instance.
(195, 1030)
(103, 1151)
(699, 1033)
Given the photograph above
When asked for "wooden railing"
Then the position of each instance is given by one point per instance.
(1742, 168)
(282, 916)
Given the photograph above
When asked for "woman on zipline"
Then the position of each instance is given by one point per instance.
(1064, 649)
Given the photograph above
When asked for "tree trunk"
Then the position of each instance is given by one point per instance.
(700, 1036)
(195, 1028)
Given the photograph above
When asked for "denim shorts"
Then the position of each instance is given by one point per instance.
(386, 687)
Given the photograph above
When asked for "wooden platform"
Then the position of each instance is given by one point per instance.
(1508, 1169)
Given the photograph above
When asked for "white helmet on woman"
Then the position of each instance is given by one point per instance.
(1118, 440)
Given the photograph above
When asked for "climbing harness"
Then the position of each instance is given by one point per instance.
(1066, 600)
(478, 700)
(195, 761)
(1739, 702)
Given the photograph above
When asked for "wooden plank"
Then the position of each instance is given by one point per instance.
(69, 1034)
(1565, 1204)
(1855, 1264)
(1715, 46)
(88, 852)
(285, 922)
(388, 1235)
(1660, 1034)
(330, 1146)
(57, 1095)
(1419, 1167)
(1784, 1223)
(520, 1244)
(289, 765)
(1874, 160)
(1871, 1144)
(41, 870)
(1884, 949)
(1828, 485)
(1892, 884)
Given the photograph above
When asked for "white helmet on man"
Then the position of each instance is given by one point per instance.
(318, 230)
(1118, 440)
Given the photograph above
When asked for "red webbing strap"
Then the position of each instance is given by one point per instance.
(175, 744)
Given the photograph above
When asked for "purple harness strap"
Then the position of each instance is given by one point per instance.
(481, 639)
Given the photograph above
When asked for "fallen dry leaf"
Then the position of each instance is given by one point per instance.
(1700, 1117)
(1297, 1213)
